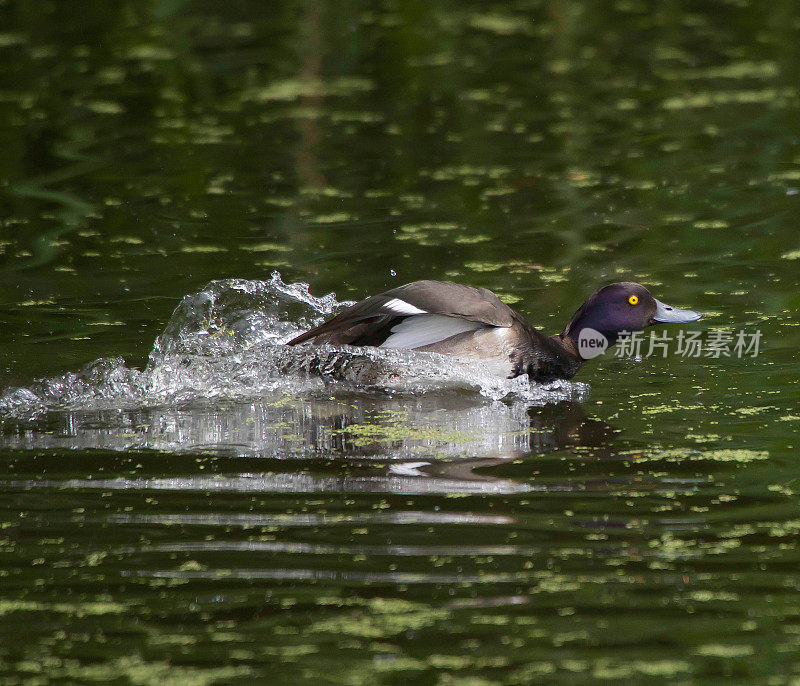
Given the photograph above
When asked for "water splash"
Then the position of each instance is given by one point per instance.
(227, 341)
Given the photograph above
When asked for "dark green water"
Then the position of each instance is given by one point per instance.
(646, 532)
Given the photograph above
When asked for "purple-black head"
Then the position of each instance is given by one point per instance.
(624, 306)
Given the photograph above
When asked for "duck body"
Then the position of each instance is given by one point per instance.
(474, 324)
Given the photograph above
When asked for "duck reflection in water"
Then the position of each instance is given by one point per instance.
(551, 428)
(369, 444)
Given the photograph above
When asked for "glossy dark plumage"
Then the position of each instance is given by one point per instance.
(473, 323)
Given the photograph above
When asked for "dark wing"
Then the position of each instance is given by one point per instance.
(370, 322)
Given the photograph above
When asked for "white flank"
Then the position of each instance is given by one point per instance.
(401, 307)
(501, 332)
(425, 329)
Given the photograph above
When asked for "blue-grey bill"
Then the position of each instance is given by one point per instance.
(674, 315)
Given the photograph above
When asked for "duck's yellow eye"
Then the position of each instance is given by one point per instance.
(634, 300)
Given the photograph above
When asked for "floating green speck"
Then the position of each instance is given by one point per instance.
(265, 247)
(334, 218)
(722, 650)
(501, 24)
(105, 107)
(774, 96)
(203, 248)
(150, 52)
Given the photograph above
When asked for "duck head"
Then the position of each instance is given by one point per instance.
(624, 306)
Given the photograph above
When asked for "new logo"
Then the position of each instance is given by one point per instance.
(591, 343)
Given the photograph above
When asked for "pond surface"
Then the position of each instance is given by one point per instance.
(216, 512)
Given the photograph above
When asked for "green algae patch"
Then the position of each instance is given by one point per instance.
(104, 107)
(724, 651)
(610, 669)
(501, 24)
(396, 431)
(327, 192)
(484, 266)
(334, 218)
(106, 323)
(283, 401)
(704, 438)
(666, 409)
(295, 89)
(549, 276)
(381, 622)
(357, 117)
(472, 240)
(735, 70)
(508, 298)
(749, 411)
(203, 249)
(428, 226)
(149, 52)
(266, 247)
(400, 664)
(191, 566)
(78, 610)
(8, 40)
(392, 425)
(775, 96)
(711, 224)
(134, 670)
(530, 672)
(709, 596)
(733, 455)
(468, 171)
(662, 668)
